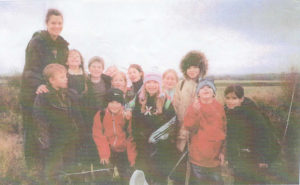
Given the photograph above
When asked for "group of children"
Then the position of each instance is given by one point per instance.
(94, 120)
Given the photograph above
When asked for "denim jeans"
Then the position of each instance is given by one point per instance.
(205, 175)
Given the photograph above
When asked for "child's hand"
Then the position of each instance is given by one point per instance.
(127, 114)
(42, 89)
(142, 101)
(196, 105)
(222, 159)
(104, 161)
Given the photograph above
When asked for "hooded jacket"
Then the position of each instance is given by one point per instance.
(208, 131)
(40, 51)
(111, 135)
(246, 131)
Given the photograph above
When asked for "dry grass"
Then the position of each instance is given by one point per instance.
(12, 170)
(11, 157)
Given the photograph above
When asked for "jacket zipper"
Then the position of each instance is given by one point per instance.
(114, 126)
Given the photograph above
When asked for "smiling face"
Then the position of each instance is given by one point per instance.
(193, 72)
(114, 107)
(134, 75)
(169, 81)
(206, 93)
(118, 81)
(74, 59)
(59, 80)
(232, 101)
(55, 25)
(152, 87)
(96, 69)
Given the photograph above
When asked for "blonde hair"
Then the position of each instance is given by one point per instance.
(51, 69)
(123, 75)
(170, 71)
(159, 101)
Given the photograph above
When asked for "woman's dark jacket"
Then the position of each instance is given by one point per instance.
(40, 51)
(247, 134)
(58, 119)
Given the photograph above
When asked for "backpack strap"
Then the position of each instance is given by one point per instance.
(182, 83)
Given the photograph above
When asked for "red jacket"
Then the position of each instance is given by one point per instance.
(207, 127)
(110, 135)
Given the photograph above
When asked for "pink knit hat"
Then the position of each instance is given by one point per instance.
(151, 77)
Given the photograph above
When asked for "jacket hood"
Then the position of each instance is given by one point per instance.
(44, 35)
(194, 58)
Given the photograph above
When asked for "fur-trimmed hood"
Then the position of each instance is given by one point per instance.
(194, 58)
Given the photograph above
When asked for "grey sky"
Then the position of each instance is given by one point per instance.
(238, 36)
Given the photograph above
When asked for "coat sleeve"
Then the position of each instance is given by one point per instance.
(261, 134)
(176, 99)
(34, 64)
(131, 146)
(99, 138)
(191, 119)
(40, 118)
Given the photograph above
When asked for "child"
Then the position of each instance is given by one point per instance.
(76, 74)
(150, 114)
(206, 125)
(136, 76)
(93, 101)
(247, 137)
(59, 123)
(112, 135)
(170, 79)
(193, 66)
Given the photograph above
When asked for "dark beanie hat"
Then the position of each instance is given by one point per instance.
(114, 94)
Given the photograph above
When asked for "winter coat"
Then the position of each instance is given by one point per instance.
(185, 94)
(207, 127)
(247, 134)
(40, 51)
(77, 82)
(58, 119)
(113, 134)
(133, 90)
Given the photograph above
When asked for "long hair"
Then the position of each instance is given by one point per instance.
(159, 100)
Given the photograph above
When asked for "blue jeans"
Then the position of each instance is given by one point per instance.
(205, 175)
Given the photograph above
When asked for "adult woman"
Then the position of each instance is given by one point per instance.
(45, 47)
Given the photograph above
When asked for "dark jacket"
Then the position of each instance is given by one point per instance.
(90, 104)
(247, 134)
(40, 51)
(58, 119)
(153, 156)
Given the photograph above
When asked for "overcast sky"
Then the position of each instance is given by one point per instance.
(237, 36)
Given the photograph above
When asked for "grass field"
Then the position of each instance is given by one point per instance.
(268, 94)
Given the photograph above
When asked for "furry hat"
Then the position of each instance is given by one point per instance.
(194, 58)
